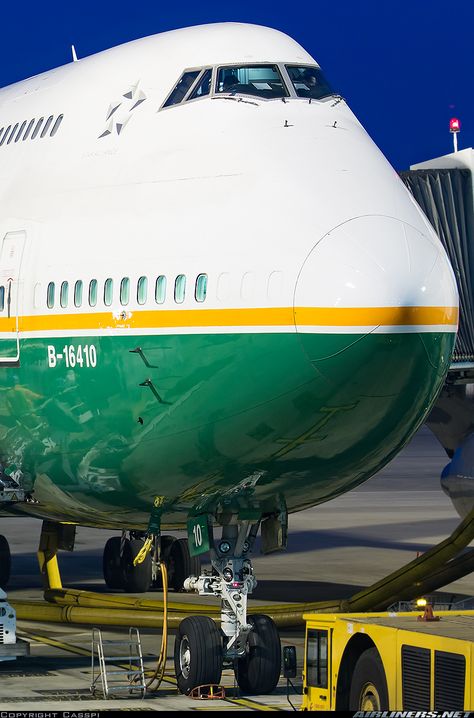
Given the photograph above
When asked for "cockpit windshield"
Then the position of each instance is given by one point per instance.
(309, 82)
(265, 81)
(259, 80)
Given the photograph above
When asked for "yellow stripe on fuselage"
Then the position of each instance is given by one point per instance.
(375, 316)
(255, 317)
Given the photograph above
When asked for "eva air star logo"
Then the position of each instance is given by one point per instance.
(120, 111)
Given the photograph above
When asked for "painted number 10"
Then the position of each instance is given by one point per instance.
(197, 531)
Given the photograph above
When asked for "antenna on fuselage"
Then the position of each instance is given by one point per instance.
(74, 56)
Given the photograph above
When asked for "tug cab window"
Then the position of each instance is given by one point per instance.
(317, 658)
(182, 88)
(258, 80)
(309, 82)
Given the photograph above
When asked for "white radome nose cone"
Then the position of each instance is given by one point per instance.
(384, 272)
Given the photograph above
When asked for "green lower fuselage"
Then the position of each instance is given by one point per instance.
(244, 420)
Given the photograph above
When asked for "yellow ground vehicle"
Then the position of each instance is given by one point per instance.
(384, 661)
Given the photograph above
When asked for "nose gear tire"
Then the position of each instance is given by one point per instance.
(197, 653)
(258, 672)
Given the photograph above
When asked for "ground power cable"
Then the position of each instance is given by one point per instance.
(156, 679)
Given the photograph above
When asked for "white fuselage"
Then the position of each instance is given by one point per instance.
(294, 216)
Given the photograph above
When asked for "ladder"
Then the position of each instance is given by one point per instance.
(109, 674)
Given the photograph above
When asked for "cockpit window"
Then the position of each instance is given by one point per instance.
(203, 86)
(309, 82)
(259, 80)
(181, 89)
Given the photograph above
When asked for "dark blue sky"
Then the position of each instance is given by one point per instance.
(405, 67)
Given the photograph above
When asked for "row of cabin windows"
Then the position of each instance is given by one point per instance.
(31, 129)
(200, 291)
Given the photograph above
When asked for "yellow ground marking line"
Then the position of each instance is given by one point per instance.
(55, 644)
(259, 316)
(168, 679)
(247, 703)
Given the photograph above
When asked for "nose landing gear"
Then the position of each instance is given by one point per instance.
(250, 645)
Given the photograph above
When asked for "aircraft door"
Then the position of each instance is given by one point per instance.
(11, 254)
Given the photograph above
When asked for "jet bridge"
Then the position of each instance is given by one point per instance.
(443, 187)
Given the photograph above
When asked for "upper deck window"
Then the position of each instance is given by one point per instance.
(182, 88)
(309, 82)
(259, 80)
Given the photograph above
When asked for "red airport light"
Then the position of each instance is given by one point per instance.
(454, 125)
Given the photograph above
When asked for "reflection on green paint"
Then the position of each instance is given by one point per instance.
(208, 420)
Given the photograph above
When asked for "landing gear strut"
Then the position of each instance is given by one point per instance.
(120, 573)
(251, 645)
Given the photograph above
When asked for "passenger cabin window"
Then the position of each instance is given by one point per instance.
(201, 287)
(28, 130)
(309, 82)
(47, 126)
(12, 133)
(142, 290)
(78, 293)
(55, 128)
(180, 91)
(259, 80)
(160, 289)
(50, 295)
(37, 296)
(37, 128)
(22, 127)
(2, 299)
(93, 292)
(63, 295)
(203, 86)
(108, 291)
(180, 288)
(124, 291)
(248, 286)
(4, 136)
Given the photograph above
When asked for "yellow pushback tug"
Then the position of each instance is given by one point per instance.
(388, 661)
